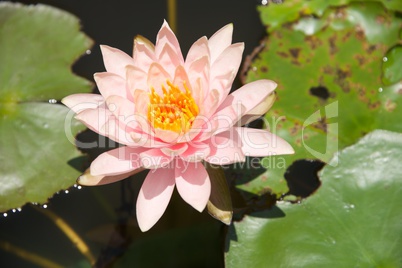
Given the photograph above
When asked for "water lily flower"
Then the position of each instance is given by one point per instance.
(172, 114)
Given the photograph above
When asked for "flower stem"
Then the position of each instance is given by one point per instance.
(69, 232)
(172, 14)
(29, 256)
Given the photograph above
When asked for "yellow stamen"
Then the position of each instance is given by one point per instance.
(175, 110)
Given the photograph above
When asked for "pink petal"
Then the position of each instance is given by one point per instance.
(169, 59)
(141, 100)
(226, 148)
(81, 102)
(198, 50)
(157, 76)
(193, 183)
(115, 60)
(199, 72)
(123, 110)
(251, 95)
(110, 84)
(257, 111)
(210, 104)
(95, 119)
(259, 142)
(155, 158)
(88, 180)
(143, 52)
(147, 141)
(181, 78)
(167, 136)
(166, 36)
(203, 131)
(118, 132)
(154, 197)
(136, 79)
(196, 151)
(226, 117)
(220, 40)
(117, 161)
(174, 150)
(225, 68)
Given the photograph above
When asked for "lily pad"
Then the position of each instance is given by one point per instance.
(330, 91)
(275, 16)
(353, 220)
(38, 157)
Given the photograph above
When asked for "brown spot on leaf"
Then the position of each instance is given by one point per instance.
(313, 41)
(346, 36)
(360, 59)
(332, 45)
(295, 129)
(341, 79)
(371, 49)
(264, 69)
(390, 105)
(321, 124)
(282, 54)
(294, 52)
(380, 19)
(328, 70)
(400, 91)
(374, 105)
(360, 34)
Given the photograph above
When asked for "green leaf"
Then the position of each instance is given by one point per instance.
(275, 16)
(38, 45)
(329, 91)
(353, 220)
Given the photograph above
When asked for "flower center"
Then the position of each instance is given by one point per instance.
(175, 110)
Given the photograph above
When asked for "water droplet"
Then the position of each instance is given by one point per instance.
(14, 210)
(264, 2)
(44, 206)
(88, 52)
(66, 191)
(52, 101)
(79, 187)
(385, 59)
(5, 214)
(348, 207)
(19, 209)
(380, 89)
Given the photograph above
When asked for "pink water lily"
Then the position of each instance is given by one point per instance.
(172, 114)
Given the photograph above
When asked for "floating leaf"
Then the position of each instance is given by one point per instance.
(353, 220)
(276, 15)
(330, 91)
(38, 44)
